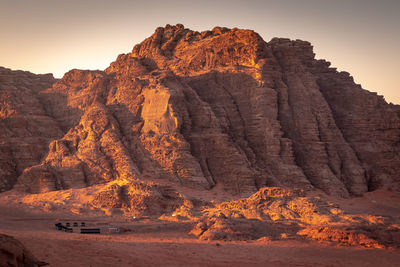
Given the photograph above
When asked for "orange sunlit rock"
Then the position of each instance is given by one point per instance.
(231, 136)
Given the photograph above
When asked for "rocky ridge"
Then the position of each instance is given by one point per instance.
(274, 213)
(200, 109)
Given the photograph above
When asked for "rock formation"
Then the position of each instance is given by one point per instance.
(200, 109)
(25, 128)
(14, 253)
(274, 213)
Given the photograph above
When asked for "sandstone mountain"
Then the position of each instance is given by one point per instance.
(220, 107)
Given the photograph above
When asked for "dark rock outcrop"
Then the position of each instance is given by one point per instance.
(14, 253)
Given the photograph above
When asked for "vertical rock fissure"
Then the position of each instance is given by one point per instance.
(347, 142)
(243, 126)
(214, 181)
(326, 148)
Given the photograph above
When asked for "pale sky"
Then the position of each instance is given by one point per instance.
(54, 36)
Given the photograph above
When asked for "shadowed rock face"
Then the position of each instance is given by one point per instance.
(216, 107)
(14, 253)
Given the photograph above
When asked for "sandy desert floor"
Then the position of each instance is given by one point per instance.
(153, 242)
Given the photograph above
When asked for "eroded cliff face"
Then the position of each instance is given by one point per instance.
(216, 107)
(25, 128)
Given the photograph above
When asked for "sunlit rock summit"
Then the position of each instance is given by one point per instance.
(199, 109)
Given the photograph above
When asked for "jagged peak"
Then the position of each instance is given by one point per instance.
(185, 51)
(170, 28)
(80, 77)
(165, 38)
(288, 42)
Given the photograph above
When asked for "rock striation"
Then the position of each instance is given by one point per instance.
(200, 109)
(25, 128)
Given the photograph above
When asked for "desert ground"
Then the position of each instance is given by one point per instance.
(151, 241)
